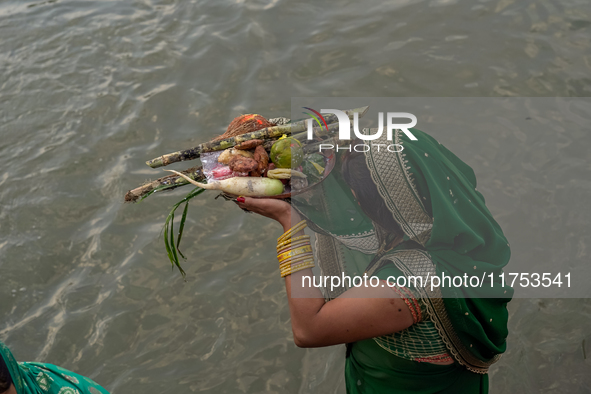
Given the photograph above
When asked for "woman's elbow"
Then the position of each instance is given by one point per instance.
(303, 338)
(300, 343)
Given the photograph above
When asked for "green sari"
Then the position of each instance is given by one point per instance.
(41, 378)
(448, 230)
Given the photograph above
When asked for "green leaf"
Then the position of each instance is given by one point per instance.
(168, 229)
(160, 188)
(181, 228)
(168, 251)
(173, 247)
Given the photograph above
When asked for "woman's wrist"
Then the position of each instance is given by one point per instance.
(288, 218)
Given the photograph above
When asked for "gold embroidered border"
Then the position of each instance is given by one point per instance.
(396, 186)
(418, 263)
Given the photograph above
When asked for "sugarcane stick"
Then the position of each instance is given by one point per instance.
(195, 173)
(268, 144)
(263, 134)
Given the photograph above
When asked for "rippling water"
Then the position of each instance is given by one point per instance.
(89, 90)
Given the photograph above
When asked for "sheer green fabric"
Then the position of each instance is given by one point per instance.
(41, 378)
(421, 341)
(432, 194)
(464, 239)
(371, 369)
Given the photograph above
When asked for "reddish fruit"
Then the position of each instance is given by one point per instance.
(221, 172)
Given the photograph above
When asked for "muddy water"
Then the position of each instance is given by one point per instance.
(90, 90)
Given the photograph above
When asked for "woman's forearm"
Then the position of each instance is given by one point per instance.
(359, 313)
(304, 305)
(304, 302)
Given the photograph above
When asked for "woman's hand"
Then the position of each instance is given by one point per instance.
(275, 209)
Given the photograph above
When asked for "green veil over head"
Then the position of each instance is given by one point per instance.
(432, 195)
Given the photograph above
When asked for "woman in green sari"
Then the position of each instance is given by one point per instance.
(412, 213)
(40, 378)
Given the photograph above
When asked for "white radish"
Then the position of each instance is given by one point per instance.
(241, 186)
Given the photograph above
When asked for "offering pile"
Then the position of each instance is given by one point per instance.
(255, 157)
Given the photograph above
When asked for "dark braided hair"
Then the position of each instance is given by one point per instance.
(5, 378)
(357, 176)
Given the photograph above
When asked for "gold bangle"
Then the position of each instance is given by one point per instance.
(298, 259)
(283, 260)
(296, 238)
(293, 267)
(291, 240)
(291, 263)
(294, 252)
(294, 230)
(290, 233)
(293, 246)
(302, 267)
(299, 268)
(288, 240)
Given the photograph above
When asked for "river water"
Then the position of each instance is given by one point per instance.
(90, 90)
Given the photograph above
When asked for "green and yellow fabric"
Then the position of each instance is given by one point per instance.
(41, 378)
(448, 230)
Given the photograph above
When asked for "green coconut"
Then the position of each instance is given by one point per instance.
(287, 153)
